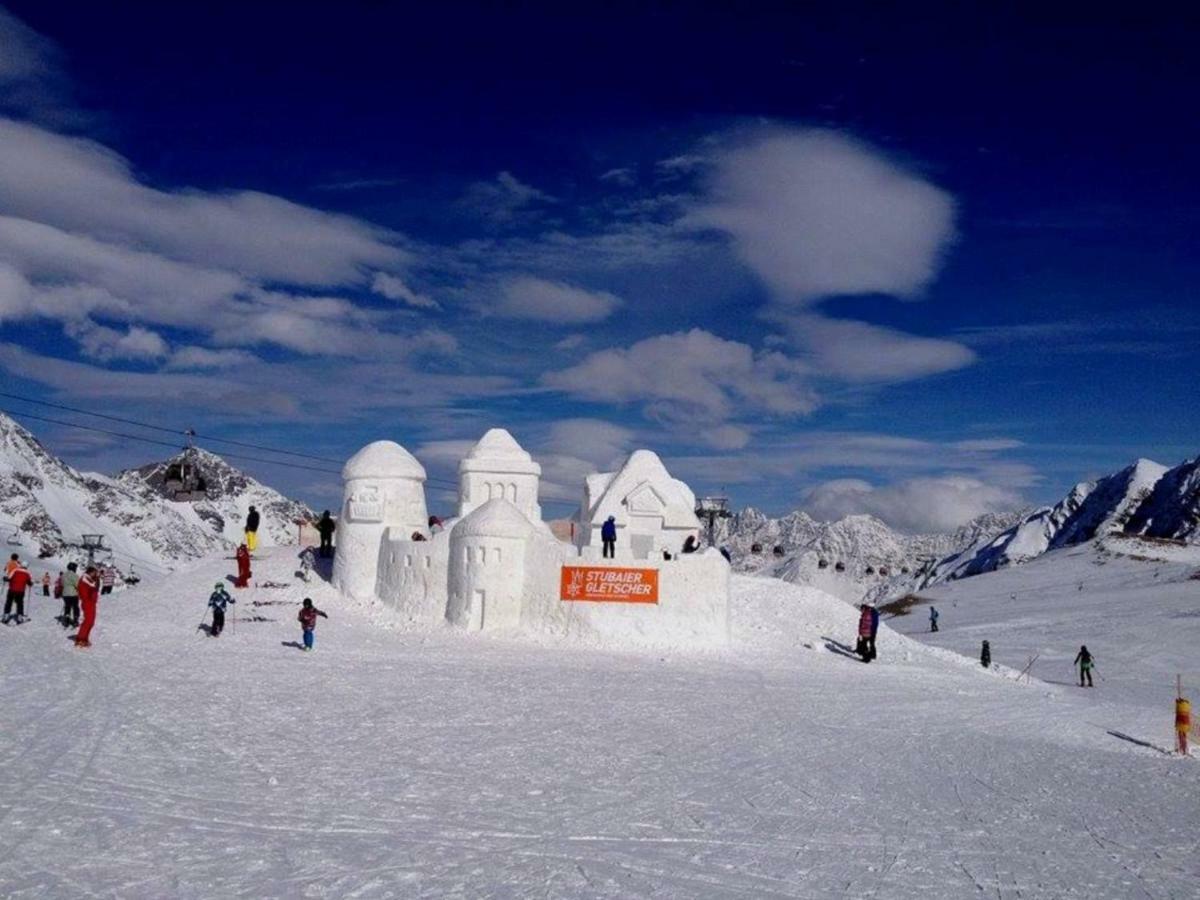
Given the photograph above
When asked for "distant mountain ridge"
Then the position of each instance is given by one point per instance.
(46, 506)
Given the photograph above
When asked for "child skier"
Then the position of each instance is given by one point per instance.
(1084, 660)
(933, 617)
(308, 621)
(217, 602)
(243, 564)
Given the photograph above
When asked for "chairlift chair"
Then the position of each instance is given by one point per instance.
(183, 481)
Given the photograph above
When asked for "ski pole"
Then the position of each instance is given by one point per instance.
(200, 627)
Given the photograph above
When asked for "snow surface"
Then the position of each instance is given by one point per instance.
(392, 762)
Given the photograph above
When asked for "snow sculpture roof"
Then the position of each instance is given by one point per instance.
(642, 474)
(383, 459)
(498, 451)
(496, 518)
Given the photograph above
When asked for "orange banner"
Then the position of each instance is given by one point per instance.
(601, 584)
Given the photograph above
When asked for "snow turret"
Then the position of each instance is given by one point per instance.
(487, 567)
(497, 466)
(384, 488)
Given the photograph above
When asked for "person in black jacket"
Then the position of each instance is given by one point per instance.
(252, 529)
(1084, 660)
(325, 527)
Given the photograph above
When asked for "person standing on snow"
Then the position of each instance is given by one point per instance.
(325, 528)
(866, 637)
(46, 584)
(217, 602)
(243, 563)
(13, 562)
(1084, 660)
(252, 529)
(108, 578)
(19, 581)
(70, 596)
(308, 621)
(608, 537)
(933, 617)
(89, 593)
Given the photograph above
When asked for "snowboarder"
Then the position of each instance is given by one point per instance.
(866, 633)
(933, 617)
(89, 593)
(252, 529)
(46, 584)
(217, 602)
(326, 526)
(690, 545)
(70, 596)
(1084, 660)
(19, 581)
(985, 655)
(243, 563)
(608, 537)
(308, 621)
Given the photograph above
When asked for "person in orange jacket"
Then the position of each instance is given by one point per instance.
(89, 593)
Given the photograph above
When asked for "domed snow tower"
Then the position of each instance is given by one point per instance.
(384, 488)
(487, 567)
(497, 467)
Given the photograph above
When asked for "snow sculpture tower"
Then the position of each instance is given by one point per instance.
(652, 510)
(487, 567)
(498, 467)
(384, 488)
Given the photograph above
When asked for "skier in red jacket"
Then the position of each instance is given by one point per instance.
(308, 621)
(89, 592)
(243, 561)
(19, 581)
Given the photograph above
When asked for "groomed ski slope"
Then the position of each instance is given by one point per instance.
(403, 764)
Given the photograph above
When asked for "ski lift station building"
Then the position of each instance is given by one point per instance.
(497, 567)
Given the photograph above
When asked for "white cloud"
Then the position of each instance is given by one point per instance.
(504, 201)
(394, 288)
(206, 358)
(987, 445)
(816, 214)
(624, 176)
(917, 505)
(553, 301)
(24, 54)
(860, 352)
(78, 185)
(690, 375)
(570, 342)
(105, 344)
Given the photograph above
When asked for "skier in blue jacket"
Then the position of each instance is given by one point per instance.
(608, 537)
(217, 602)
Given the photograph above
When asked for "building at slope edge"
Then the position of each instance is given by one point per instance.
(498, 568)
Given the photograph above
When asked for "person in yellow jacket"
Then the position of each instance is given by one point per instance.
(252, 529)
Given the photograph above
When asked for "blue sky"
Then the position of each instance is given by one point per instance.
(849, 260)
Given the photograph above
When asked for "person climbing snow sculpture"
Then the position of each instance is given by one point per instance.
(985, 655)
(933, 617)
(19, 581)
(217, 602)
(866, 633)
(252, 529)
(325, 528)
(89, 593)
(308, 621)
(690, 545)
(70, 596)
(243, 563)
(608, 537)
(1084, 660)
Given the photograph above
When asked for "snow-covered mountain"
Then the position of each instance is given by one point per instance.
(1172, 510)
(46, 507)
(229, 494)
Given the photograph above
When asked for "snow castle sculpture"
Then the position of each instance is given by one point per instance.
(384, 489)
(498, 568)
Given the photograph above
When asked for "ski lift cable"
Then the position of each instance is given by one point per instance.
(189, 433)
(186, 432)
(136, 437)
